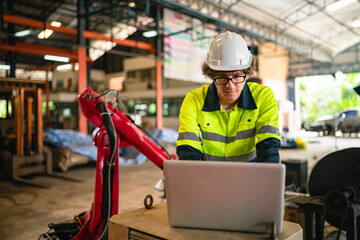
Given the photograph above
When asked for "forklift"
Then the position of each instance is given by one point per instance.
(22, 151)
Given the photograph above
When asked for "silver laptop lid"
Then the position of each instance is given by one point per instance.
(234, 196)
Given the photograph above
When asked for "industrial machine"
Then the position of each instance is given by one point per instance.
(114, 130)
(22, 151)
(333, 186)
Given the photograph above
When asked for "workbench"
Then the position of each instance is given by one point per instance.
(153, 224)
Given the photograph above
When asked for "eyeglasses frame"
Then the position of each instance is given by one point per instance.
(231, 79)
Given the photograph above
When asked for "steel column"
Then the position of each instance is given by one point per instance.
(82, 73)
(47, 90)
(159, 97)
(11, 38)
(87, 41)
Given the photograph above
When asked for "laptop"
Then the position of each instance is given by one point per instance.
(235, 196)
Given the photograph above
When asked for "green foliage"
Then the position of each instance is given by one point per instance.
(5, 108)
(327, 95)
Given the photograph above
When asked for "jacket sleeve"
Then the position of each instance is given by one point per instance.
(268, 151)
(186, 152)
(189, 144)
(267, 133)
(267, 123)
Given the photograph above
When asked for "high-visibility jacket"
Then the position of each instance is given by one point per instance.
(248, 132)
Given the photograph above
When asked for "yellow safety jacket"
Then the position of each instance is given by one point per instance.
(210, 133)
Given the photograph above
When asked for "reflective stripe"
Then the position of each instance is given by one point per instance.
(220, 138)
(239, 158)
(188, 136)
(214, 137)
(268, 129)
(244, 134)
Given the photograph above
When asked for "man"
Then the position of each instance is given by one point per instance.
(230, 119)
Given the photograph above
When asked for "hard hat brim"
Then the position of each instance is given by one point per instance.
(230, 68)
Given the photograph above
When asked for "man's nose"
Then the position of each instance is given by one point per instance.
(229, 83)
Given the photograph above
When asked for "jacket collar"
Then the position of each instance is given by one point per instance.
(245, 101)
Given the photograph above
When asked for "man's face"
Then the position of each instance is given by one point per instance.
(230, 92)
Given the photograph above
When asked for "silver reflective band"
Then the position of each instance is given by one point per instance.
(239, 158)
(188, 136)
(210, 136)
(268, 129)
(220, 138)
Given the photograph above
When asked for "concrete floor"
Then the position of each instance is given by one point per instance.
(25, 210)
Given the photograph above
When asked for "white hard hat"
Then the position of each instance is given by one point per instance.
(228, 52)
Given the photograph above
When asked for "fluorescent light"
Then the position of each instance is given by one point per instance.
(56, 58)
(55, 24)
(64, 67)
(132, 4)
(150, 34)
(4, 67)
(338, 4)
(45, 34)
(356, 23)
(23, 33)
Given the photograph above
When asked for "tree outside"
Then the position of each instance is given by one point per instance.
(327, 94)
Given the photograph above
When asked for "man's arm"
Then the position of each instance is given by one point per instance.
(267, 128)
(189, 145)
(186, 152)
(268, 150)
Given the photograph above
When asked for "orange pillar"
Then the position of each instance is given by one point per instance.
(40, 124)
(82, 83)
(47, 89)
(159, 97)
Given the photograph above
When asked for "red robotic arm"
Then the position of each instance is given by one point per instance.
(128, 132)
(114, 130)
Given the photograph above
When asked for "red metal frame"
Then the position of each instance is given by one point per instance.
(92, 220)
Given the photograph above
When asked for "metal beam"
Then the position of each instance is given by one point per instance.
(126, 42)
(323, 70)
(41, 50)
(46, 67)
(73, 31)
(217, 14)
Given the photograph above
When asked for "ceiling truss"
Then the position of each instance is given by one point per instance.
(221, 15)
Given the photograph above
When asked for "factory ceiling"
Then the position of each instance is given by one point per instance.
(313, 28)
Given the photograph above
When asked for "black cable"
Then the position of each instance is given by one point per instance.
(152, 138)
(343, 221)
(46, 234)
(344, 216)
(142, 129)
(111, 132)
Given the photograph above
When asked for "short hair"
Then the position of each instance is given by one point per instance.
(210, 73)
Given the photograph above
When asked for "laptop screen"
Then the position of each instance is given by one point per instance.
(234, 196)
